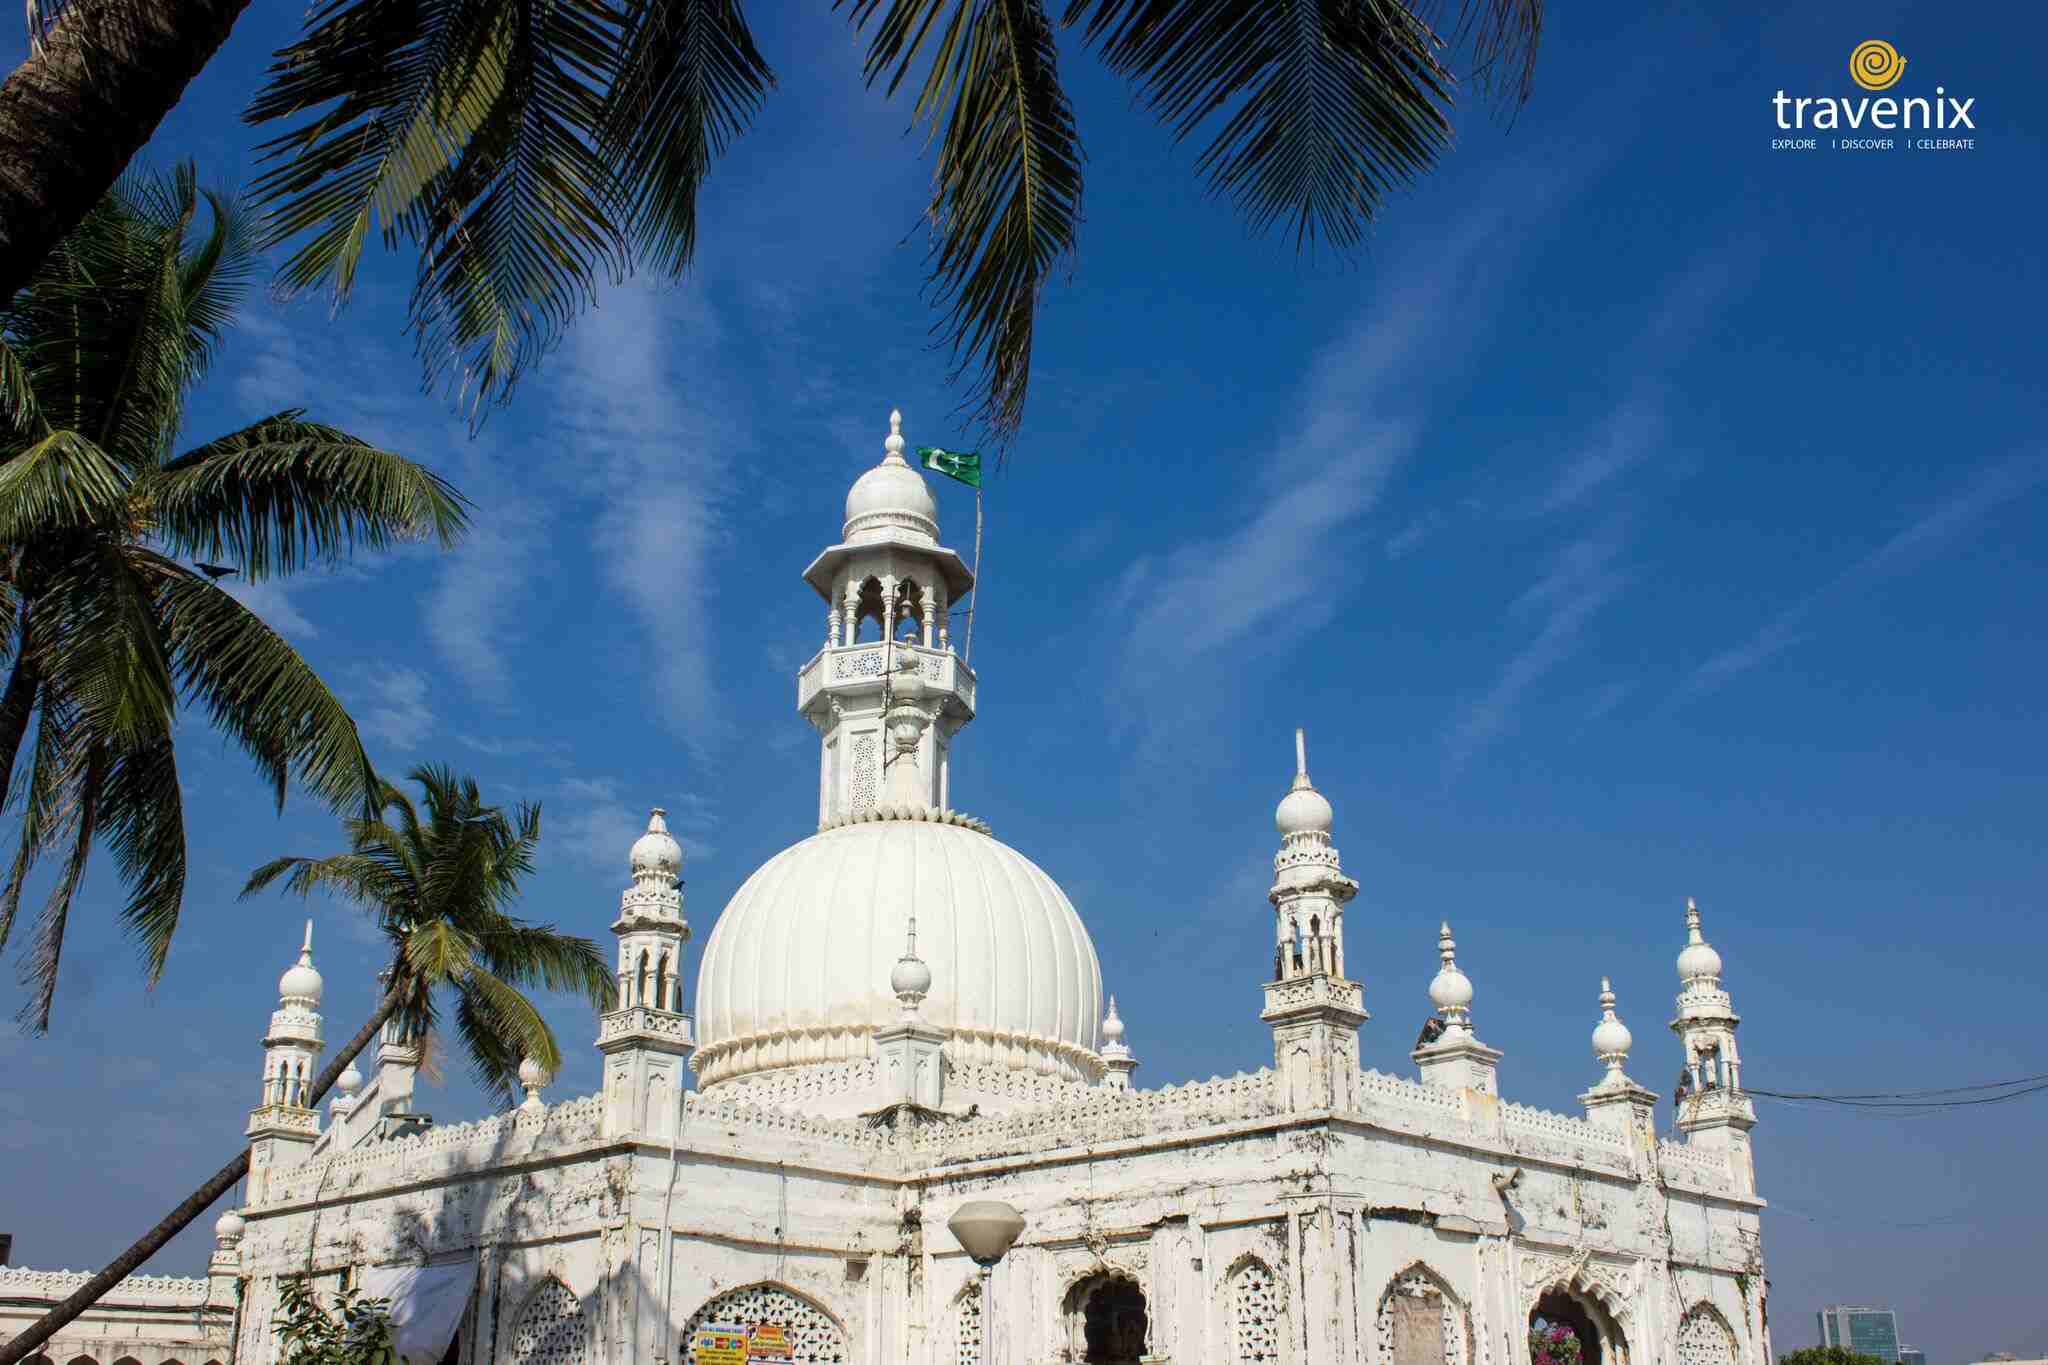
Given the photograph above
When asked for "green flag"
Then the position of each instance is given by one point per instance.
(964, 465)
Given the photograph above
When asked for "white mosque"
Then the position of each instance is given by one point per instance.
(900, 1016)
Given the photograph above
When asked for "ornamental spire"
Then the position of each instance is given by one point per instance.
(1117, 1061)
(1451, 990)
(1611, 1038)
(893, 446)
(911, 980)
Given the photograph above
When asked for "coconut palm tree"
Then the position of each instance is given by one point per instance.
(439, 884)
(524, 149)
(112, 545)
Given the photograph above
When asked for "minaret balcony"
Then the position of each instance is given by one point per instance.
(642, 1021)
(853, 673)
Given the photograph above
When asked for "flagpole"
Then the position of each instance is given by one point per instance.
(968, 658)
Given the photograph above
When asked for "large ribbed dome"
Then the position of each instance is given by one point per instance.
(796, 971)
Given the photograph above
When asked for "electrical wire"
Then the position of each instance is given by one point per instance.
(1909, 1103)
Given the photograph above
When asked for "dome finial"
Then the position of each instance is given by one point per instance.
(656, 855)
(1697, 961)
(911, 980)
(1611, 1038)
(1304, 810)
(532, 1076)
(893, 446)
(1451, 990)
(301, 981)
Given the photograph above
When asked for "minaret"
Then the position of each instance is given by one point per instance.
(888, 586)
(282, 1129)
(909, 1053)
(1117, 1061)
(1314, 1011)
(1716, 1115)
(646, 1038)
(1456, 1058)
(1615, 1101)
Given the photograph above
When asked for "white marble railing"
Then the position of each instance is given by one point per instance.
(797, 1086)
(174, 1290)
(851, 663)
(456, 1145)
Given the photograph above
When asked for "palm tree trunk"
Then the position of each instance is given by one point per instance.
(195, 1204)
(76, 111)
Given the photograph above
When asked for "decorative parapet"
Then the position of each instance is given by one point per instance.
(1541, 1133)
(1402, 1093)
(714, 1106)
(19, 1282)
(1028, 1089)
(1104, 1116)
(797, 1086)
(1688, 1166)
(450, 1149)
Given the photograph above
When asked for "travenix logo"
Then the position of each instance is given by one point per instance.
(1875, 64)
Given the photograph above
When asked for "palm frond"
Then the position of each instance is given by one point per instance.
(1007, 200)
(515, 1026)
(282, 492)
(18, 408)
(143, 816)
(62, 482)
(1325, 106)
(53, 758)
(99, 645)
(46, 951)
(469, 128)
(261, 693)
(688, 81)
(538, 955)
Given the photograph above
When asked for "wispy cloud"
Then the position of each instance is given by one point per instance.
(273, 602)
(592, 821)
(665, 461)
(1989, 489)
(398, 713)
(1629, 436)
(1582, 580)
(1269, 578)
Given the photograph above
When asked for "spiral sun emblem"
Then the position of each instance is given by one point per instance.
(1876, 64)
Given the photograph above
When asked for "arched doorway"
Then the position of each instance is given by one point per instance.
(1106, 1321)
(1565, 1329)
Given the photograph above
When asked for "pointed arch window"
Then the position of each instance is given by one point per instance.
(1704, 1338)
(1421, 1322)
(551, 1328)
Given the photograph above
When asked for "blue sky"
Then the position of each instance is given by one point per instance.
(1643, 513)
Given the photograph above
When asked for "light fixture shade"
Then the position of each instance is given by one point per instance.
(987, 1229)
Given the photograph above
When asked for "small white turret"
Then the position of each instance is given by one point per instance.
(284, 1124)
(1615, 1101)
(1313, 1009)
(910, 1053)
(1713, 1112)
(1117, 1061)
(532, 1076)
(646, 1037)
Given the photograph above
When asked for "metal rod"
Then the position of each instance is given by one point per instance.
(988, 1316)
(968, 658)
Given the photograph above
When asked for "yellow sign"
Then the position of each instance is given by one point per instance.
(1876, 65)
(719, 1346)
(767, 1342)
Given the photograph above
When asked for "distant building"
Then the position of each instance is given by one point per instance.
(1866, 1331)
(1912, 1355)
